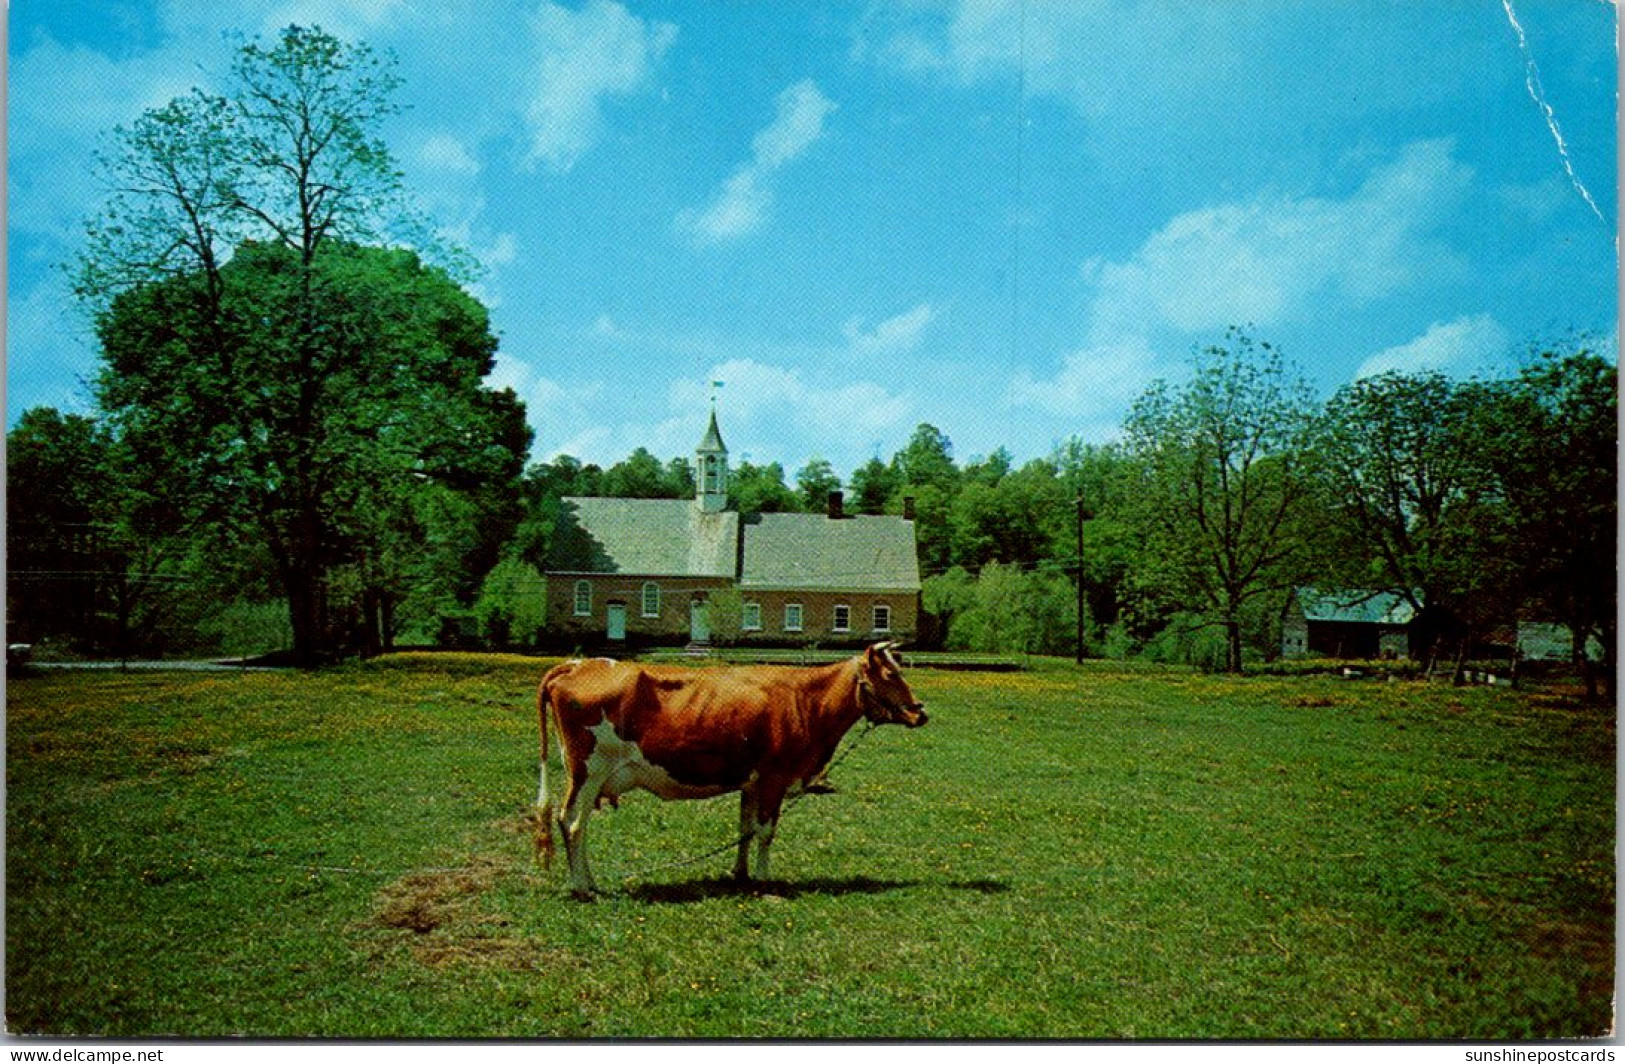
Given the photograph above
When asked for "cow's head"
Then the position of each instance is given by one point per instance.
(883, 692)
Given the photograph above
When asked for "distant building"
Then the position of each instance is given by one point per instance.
(1544, 641)
(1348, 624)
(645, 571)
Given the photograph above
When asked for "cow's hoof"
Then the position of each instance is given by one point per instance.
(583, 895)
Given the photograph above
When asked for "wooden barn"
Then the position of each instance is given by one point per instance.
(1348, 624)
(653, 571)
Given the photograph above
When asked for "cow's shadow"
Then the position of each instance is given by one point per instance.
(725, 887)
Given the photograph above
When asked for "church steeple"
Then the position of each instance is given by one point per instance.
(711, 468)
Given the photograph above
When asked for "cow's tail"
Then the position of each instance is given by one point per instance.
(544, 801)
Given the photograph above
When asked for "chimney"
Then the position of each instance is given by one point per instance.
(835, 511)
(908, 507)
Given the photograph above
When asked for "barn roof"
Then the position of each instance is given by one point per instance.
(1356, 606)
(643, 537)
(814, 552)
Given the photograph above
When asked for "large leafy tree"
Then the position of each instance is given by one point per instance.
(60, 511)
(923, 471)
(96, 551)
(1403, 460)
(270, 347)
(873, 485)
(1221, 487)
(1020, 518)
(639, 476)
(814, 483)
(1100, 477)
(927, 459)
(1553, 461)
(1004, 609)
(754, 489)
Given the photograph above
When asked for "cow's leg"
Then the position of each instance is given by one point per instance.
(747, 830)
(769, 800)
(580, 798)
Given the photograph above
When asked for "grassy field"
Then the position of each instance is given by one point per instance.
(1062, 853)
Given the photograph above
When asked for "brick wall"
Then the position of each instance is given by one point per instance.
(818, 616)
(818, 612)
(670, 625)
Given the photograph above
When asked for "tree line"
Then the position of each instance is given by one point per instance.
(293, 418)
(1480, 502)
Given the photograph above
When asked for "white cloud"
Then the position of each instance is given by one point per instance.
(895, 335)
(593, 444)
(446, 178)
(1133, 61)
(502, 250)
(1280, 259)
(798, 125)
(768, 397)
(61, 351)
(584, 58)
(348, 19)
(778, 413)
(567, 419)
(445, 153)
(739, 209)
(741, 206)
(61, 100)
(1455, 346)
(1094, 385)
(1272, 261)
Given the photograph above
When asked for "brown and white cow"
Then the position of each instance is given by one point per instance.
(764, 731)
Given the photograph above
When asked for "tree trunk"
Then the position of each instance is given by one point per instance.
(1582, 661)
(386, 620)
(1232, 644)
(371, 629)
(305, 615)
(1606, 634)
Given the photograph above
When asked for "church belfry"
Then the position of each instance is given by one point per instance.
(711, 469)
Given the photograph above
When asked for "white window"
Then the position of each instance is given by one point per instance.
(792, 617)
(843, 618)
(583, 599)
(882, 618)
(651, 600)
(751, 617)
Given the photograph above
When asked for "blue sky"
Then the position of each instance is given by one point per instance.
(1002, 218)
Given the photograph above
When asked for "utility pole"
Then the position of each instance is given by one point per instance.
(1080, 577)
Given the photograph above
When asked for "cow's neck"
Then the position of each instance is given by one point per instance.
(839, 704)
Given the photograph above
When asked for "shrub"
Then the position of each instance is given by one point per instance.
(512, 603)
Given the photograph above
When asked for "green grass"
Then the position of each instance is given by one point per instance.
(1061, 853)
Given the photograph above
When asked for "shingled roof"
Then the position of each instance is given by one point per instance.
(644, 537)
(813, 552)
(1356, 607)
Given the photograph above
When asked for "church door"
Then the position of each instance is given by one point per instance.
(699, 624)
(617, 620)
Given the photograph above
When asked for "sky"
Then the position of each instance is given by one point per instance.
(1003, 218)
